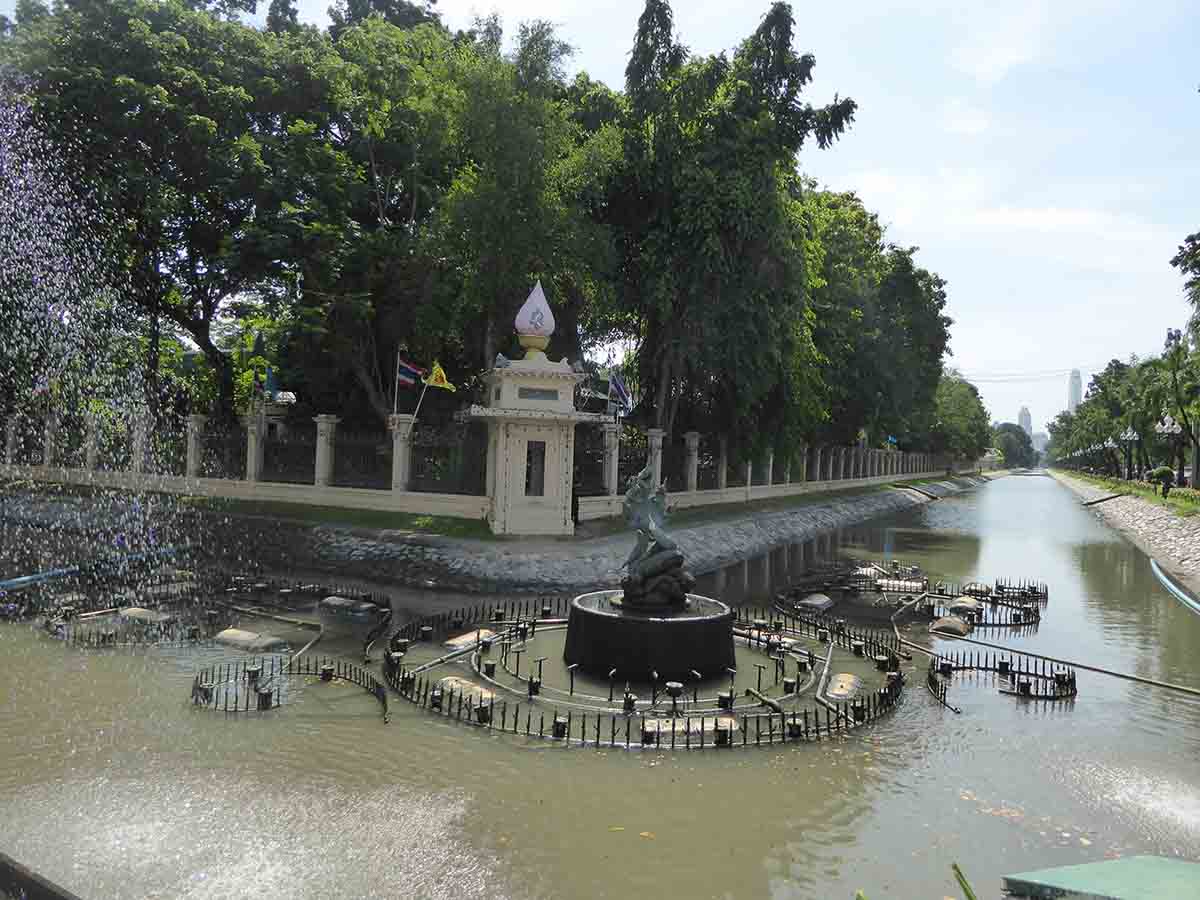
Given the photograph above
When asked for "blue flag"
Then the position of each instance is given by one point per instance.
(619, 393)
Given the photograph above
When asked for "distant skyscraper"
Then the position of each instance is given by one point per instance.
(1025, 421)
(1040, 440)
(1074, 390)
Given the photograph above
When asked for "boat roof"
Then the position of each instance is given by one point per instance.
(1131, 878)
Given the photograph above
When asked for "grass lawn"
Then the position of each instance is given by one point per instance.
(1177, 505)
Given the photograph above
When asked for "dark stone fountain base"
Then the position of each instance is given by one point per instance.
(603, 635)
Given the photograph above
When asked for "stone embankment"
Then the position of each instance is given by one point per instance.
(1171, 540)
(535, 565)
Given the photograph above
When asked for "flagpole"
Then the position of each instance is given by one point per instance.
(396, 385)
(419, 399)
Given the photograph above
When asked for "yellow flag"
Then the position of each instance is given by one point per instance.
(437, 378)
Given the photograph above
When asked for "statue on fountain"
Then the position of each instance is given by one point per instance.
(656, 576)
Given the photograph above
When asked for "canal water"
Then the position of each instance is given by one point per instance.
(113, 785)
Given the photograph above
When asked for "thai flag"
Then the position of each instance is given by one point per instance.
(618, 392)
(42, 387)
(406, 373)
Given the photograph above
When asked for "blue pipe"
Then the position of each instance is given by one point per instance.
(25, 581)
(1181, 595)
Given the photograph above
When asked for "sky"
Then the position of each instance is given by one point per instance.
(1042, 156)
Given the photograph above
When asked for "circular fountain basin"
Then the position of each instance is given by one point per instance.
(603, 634)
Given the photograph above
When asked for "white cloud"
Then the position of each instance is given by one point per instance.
(960, 117)
(966, 206)
(1001, 37)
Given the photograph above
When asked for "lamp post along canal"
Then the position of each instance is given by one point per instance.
(1129, 438)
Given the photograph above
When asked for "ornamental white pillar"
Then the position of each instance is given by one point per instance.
(49, 436)
(401, 427)
(770, 467)
(10, 439)
(654, 437)
(612, 458)
(723, 462)
(326, 434)
(691, 440)
(256, 435)
(91, 441)
(195, 444)
(141, 440)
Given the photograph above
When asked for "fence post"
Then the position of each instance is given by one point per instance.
(654, 436)
(326, 434)
(141, 433)
(10, 439)
(691, 440)
(723, 462)
(195, 443)
(612, 457)
(401, 427)
(49, 433)
(256, 422)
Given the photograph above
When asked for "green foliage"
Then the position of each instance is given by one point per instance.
(1161, 475)
(961, 425)
(389, 185)
(1187, 261)
(713, 244)
(1015, 444)
(879, 327)
(1134, 395)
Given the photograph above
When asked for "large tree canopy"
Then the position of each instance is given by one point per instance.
(389, 186)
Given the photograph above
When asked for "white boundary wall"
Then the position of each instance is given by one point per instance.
(605, 507)
(418, 502)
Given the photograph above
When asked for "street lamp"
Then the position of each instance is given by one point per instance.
(1171, 430)
(1129, 438)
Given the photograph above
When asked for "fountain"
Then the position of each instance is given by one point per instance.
(653, 627)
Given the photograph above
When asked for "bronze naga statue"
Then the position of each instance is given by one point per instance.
(656, 576)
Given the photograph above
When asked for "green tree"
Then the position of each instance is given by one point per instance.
(282, 16)
(1187, 261)
(172, 114)
(713, 248)
(879, 327)
(1180, 376)
(345, 14)
(961, 427)
(1011, 439)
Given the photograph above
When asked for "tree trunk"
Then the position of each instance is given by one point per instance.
(153, 360)
(225, 411)
(660, 389)
(375, 396)
(489, 339)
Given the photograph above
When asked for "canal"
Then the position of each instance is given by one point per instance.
(114, 786)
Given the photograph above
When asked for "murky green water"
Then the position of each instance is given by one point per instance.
(112, 784)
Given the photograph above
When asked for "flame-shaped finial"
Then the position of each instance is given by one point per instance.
(534, 317)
